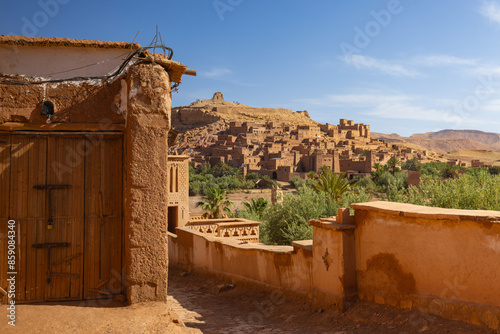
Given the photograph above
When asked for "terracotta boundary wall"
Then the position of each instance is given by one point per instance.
(438, 261)
(326, 279)
(285, 268)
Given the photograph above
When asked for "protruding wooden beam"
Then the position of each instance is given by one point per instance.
(19, 126)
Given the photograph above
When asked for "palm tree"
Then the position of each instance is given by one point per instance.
(220, 168)
(256, 206)
(265, 181)
(379, 171)
(334, 185)
(377, 166)
(413, 164)
(204, 168)
(215, 203)
(312, 175)
(392, 163)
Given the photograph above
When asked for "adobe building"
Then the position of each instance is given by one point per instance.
(84, 171)
(178, 191)
(286, 151)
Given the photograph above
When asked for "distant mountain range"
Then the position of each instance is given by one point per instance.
(454, 143)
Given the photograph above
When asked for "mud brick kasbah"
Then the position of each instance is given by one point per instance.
(281, 149)
(84, 168)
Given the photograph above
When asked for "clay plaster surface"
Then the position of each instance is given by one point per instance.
(59, 62)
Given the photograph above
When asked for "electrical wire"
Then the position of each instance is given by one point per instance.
(86, 78)
(84, 66)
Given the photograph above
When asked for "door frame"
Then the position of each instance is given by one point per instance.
(86, 135)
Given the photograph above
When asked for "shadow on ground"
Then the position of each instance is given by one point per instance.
(198, 303)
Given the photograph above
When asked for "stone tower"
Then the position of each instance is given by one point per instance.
(218, 97)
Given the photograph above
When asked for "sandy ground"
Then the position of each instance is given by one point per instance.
(102, 316)
(196, 306)
(202, 308)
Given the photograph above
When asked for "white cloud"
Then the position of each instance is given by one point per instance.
(413, 112)
(225, 75)
(364, 62)
(366, 99)
(492, 105)
(486, 70)
(491, 10)
(443, 60)
(395, 106)
(217, 72)
(438, 111)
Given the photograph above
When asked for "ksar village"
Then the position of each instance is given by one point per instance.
(250, 167)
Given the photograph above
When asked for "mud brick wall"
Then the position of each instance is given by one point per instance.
(146, 197)
(439, 261)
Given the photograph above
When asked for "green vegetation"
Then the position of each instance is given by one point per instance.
(256, 207)
(222, 176)
(312, 175)
(412, 164)
(297, 182)
(322, 194)
(494, 170)
(477, 190)
(392, 165)
(333, 185)
(283, 223)
(440, 186)
(439, 169)
(215, 203)
(287, 221)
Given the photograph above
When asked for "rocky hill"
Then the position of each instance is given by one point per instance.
(488, 138)
(200, 122)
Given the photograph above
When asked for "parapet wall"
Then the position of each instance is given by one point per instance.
(439, 261)
(271, 267)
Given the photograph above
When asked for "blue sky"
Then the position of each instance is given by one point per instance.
(404, 66)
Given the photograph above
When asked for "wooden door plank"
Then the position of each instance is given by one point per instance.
(103, 253)
(36, 211)
(18, 206)
(104, 192)
(57, 234)
(113, 187)
(16, 199)
(41, 259)
(92, 219)
(4, 208)
(66, 156)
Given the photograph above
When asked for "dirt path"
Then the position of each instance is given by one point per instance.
(194, 302)
(198, 304)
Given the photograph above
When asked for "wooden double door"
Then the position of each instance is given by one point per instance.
(63, 195)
